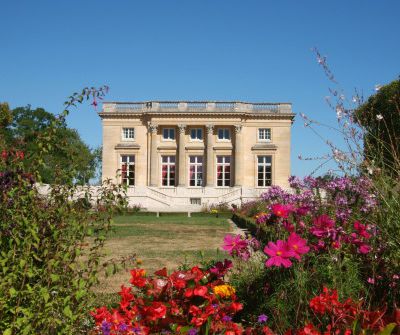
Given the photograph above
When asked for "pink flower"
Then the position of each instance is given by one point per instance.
(298, 245)
(282, 211)
(288, 226)
(364, 249)
(236, 246)
(279, 254)
(233, 242)
(322, 226)
(362, 230)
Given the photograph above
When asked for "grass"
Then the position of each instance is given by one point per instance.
(169, 240)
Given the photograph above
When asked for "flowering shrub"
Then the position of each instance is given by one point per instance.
(321, 234)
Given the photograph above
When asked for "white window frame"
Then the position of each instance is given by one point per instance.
(169, 130)
(223, 165)
(130, 164)
(198, 182)
(266, 167)
(169, 164)
(224, 132)
(196, 132)
(128, 131)
(264, 134)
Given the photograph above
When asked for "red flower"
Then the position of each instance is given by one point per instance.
(194, 310)
(162, 272)
(126, 297)
(198, 321)
(19, 154)
(200, 291)
(309, 329)
(188, 293)
(236, 306)
(101, 314)
(197, 272)
(156, 310)
(137, 278)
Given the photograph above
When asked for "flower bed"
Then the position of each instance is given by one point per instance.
(314, 263)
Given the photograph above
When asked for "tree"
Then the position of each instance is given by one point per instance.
(380, 116)
(68, 156)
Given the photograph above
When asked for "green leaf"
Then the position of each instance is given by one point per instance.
(388, 329)
(12, 291)
(45, 294)
(7, 331)
(67, 311)
(54, 278)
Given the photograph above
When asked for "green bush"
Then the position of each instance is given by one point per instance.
(50, 244)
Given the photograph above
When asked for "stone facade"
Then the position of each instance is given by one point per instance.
(185, 155)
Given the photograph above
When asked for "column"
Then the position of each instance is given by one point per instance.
(181, 149)
(153, 155)
(210, 162)
(238, 156)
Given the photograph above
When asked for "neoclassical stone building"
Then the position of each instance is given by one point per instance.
(176, 155)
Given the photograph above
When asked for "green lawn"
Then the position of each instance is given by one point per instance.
(168, 240)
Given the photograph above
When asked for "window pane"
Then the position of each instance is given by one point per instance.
(172, 134)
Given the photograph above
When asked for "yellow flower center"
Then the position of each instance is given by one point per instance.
(278, 253)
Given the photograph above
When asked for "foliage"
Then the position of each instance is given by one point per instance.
(380, 117)
(24, 132)
(50, 243)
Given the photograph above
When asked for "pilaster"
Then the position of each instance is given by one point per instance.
(153, 155)
(210, 163)
(181, 150)
(238, 156)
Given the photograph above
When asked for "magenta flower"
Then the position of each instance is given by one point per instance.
(364, 249)
(220, 269)
(298, 245)
(362, 230)
(236, 246)
(279, 254)
(323, 225)
(233, 242)
(282, 211)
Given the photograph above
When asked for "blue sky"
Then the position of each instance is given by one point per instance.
(197, 50)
